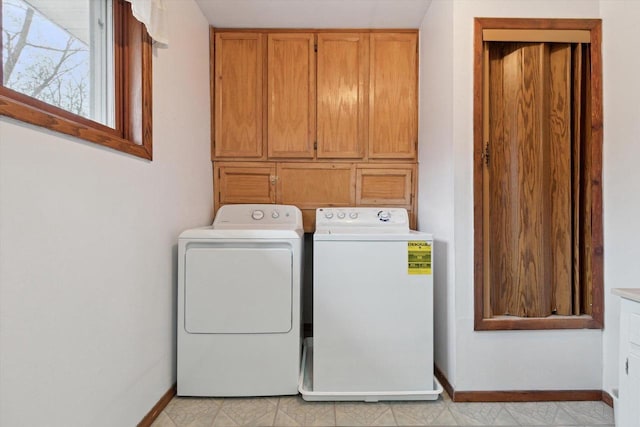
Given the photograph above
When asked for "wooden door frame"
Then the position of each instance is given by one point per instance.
(596, 320)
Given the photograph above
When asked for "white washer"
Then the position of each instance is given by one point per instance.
(372, 308)
(239, 303)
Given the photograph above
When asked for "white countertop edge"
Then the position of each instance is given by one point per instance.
(628, 293)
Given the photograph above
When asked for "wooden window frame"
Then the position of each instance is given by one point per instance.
(596, 320)
(133, 102)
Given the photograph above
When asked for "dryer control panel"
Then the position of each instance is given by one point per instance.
(379, 217)
(258, 216)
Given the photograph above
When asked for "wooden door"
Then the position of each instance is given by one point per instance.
(393, 97)
(528, 163)
(343, 69)
(291, 95)
(244, 182)
(238, 95)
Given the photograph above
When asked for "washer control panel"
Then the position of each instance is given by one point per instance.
(361, 217)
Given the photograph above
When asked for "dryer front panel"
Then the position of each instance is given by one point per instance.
(238, 290)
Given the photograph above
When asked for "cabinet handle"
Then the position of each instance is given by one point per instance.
(273, 179)
(626, 366)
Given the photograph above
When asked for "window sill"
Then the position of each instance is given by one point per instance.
(9, 107)
(510, 323)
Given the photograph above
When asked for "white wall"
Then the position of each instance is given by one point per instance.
(506, 360)
(621, 181)
(435, 195)
(88, 251)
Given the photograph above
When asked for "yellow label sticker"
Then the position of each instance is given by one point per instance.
(419, 257)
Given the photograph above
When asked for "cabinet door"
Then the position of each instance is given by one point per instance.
(244, 182)
(313, 185)
(238, 95)
(384, 185)
(629, 365)
(343, 69)
(629, 401)
(393, 107)
(291, 95)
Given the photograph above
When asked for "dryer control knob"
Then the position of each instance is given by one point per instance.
(328, 214)
(341, 215)
(384, 216)
(353, 215)
(275, 214)
(257, 215)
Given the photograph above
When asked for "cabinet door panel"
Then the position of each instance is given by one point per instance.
(244, 183)
(238, 95)
(393, 111)
(343, 70)
(291, 95)
(384, 186)
(312, 185)
(629, 400)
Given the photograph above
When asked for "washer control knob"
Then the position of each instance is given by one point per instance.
(257, 215)
(328, 214)
(275, 214)
(384, 216)
(341, 215)
(353, 215)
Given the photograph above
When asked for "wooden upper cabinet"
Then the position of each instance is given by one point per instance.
(343, 70)
(238, 95)
(291, 100)
(315, 119)
(393, 86)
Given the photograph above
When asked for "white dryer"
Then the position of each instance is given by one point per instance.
(239, 287)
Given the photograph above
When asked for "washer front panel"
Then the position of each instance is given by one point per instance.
(372, 319)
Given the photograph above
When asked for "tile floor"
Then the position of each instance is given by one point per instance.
(293, 411)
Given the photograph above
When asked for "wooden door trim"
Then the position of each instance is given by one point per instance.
(537, 35)
(596, 320)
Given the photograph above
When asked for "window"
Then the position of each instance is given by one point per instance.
(537, 174)
(78, 67)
